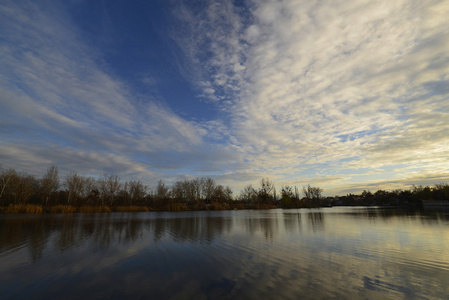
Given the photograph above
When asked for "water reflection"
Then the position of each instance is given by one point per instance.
(316, 253)
(292, 221)
(100, 230)
(316, 219)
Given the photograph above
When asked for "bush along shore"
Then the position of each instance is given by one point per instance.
(24, 193)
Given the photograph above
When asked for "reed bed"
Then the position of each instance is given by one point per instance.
(238, 206)
(260, 206)
(131, 208)
(62, 209)
(23, 209)
(177, 207)
(215, 206)
(94, 209)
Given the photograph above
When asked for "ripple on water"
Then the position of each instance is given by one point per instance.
(314, 254)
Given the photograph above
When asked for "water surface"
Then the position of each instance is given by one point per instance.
(340, 253)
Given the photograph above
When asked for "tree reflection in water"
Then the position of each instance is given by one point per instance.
(99, 231)
(330, 253)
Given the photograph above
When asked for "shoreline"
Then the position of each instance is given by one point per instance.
(178, 207)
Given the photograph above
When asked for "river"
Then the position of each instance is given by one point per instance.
(327, 253)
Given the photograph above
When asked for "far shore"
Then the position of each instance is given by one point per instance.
(177, 207)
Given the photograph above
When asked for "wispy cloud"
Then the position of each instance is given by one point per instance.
(60, 105)
(209, 35)
(308, 91)
(319, 83)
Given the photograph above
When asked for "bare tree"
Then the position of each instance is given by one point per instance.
(266, 190)
(75, 185)
(5, 183)
(195, 190)
(228, 194)
(109, 186)
(186, 191)
(137, 191)
(287, 190)
(219, 194)
(49, 183)
(89, 187)
(161, 191)
(248, 194)
(17, 188)
(91, 192)
(24, 187)
(125, 198)
(207, 188)
(177, 191)
(103, 188)
(266, 186)
(161, 194)
(113, 187)
(312, 193)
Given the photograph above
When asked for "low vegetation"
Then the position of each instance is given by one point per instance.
(94, 209)
(23, 209)
(23, 193)
(63, 209)
(131, 208)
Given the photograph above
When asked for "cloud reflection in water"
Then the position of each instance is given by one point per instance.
(318, 253)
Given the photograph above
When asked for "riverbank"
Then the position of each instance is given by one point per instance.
(177, 207)
(39, 209)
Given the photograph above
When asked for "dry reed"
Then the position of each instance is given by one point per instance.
(94, 209)
(131, 208)
(177, 207)
(23, 209)
(62, 209)
(238, 206)
(216, 206)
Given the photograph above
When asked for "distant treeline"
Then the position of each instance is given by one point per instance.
(21, 192)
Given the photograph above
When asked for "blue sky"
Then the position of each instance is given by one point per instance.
(345, 95)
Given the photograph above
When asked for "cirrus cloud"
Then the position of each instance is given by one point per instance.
(340, 93)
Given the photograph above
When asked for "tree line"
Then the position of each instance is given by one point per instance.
(108, 190)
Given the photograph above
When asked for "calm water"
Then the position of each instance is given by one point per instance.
(344, 253)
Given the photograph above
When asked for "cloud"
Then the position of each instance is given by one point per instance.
(209, 38)
(306, 91)
(33, 158)
(404, 182)
(322, 82)
(61, 105)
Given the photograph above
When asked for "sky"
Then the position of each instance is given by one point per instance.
(345, 95)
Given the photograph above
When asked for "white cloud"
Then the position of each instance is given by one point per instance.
(61, 105)
(309, 91)
(321, 82)
(209, 37)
